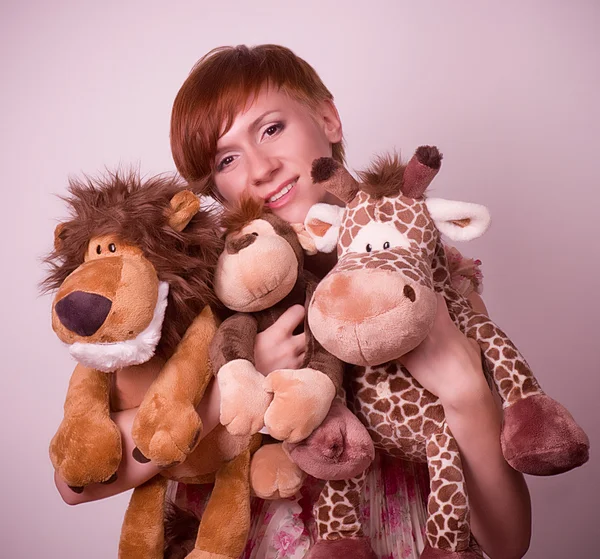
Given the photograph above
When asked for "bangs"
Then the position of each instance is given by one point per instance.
(220, 86)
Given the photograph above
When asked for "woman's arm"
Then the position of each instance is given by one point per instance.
(132, 473)
(498, 495)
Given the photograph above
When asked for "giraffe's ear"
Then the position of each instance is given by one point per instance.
(459, 221)
(323, 223)
(305, 238)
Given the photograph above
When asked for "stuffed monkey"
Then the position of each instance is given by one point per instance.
(260, 275)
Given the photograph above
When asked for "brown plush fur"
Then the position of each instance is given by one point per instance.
(133, 211)
(181, 527)
(241, 214)
(323, 169)
(384, 177)
(429, 156)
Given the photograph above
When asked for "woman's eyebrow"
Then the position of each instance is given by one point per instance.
(256, 122)
(253, 126)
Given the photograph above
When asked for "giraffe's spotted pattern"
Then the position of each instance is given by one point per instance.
(403, 418)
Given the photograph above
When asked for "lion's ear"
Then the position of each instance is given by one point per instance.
(58, 236)
(183, 207)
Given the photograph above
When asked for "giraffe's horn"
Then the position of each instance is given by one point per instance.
(335, 178)
(420, 171)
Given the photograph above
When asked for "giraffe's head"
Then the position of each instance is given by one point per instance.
(379, 301)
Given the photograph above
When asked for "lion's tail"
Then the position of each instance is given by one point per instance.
(181, 528)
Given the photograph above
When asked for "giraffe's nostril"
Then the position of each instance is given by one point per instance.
(409, 293)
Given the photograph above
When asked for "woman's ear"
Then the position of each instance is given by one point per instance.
(330, 120)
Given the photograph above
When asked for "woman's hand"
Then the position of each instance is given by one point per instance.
(447, 363)
(277, 347)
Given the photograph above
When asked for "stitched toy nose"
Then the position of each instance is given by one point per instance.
(83, 313)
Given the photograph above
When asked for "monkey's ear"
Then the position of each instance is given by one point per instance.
(59, 232)
(182, 208)
(306, 241)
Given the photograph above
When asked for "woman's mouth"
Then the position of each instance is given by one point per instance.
(281, 196)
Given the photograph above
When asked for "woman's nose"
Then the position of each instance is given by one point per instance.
(263, 167)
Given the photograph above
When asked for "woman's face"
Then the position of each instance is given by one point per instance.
(269, 151)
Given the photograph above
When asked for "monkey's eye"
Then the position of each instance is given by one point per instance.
(112, 247)
(369, 247)
(255, 233)
(99, 249)
(386, 245)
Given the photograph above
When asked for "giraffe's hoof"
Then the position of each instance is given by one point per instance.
(540, 437)
(355, 548)
(435, 553)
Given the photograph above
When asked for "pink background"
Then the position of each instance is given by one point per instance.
(509, 93)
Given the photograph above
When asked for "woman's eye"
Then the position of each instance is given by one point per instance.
(225, 162)
(386, 245)
(112, 247)
(369, 247)
(273, 129)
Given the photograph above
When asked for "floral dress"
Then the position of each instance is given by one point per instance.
(394, 498)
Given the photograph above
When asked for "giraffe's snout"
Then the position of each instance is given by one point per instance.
(368, 317)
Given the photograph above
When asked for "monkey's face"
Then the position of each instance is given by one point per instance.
(257, 269)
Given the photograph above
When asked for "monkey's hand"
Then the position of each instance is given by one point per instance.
(244, 399)
(301, 400)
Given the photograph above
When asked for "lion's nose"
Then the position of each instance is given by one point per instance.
(83, 313)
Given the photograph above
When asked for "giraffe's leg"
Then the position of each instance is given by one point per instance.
(226, 520)
(448, 531)
(142, 534)
(539, 435)
(337, 515)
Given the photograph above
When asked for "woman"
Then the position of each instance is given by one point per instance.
(254, 119)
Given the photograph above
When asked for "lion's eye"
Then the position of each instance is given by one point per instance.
(386, 245)
(99, 249)
(112, 247)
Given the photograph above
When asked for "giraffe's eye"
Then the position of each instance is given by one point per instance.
(112, 247)
(386, 245)
(99, 249)
(369, 247)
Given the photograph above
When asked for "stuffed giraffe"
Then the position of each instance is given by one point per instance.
(378, 303)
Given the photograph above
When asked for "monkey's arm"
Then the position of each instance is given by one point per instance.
(244, 399)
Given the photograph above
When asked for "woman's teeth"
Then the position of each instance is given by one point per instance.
(281, 193)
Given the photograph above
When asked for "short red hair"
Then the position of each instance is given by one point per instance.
(219, 86)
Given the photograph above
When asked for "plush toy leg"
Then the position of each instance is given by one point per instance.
(340, 448)
(447, 530)
(273, 475)
(433, 553)
(337, 515)
(226, 520)
(540, 437)
(142, 534)
(355, 548)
